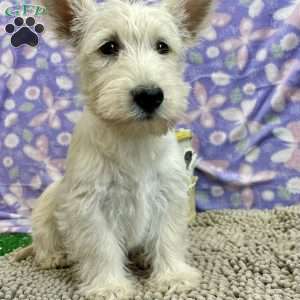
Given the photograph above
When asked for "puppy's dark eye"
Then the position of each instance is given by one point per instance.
(162, 48)
(110, 48)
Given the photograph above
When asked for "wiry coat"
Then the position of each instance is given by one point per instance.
(125, 186)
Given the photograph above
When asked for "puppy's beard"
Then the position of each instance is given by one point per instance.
(141, 127)
(133, 122)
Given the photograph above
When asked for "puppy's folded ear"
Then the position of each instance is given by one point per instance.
(66, 17)
(191, 15)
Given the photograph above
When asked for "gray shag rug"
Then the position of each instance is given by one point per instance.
(242, 255)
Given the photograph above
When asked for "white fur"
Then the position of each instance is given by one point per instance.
(125, 186)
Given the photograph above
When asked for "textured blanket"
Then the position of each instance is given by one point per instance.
(241, 255)
(244, 110)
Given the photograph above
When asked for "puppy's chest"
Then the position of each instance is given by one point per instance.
(130, 203)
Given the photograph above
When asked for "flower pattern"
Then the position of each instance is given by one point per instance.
(243, 109)
(290, 14)
(14, 199)
(39, 153)
(280, 77)
(13, 75)
(50, 115)
(241, 118)
(247, 36)
(290, 156)
(219, 20)
(205, 106)
(246, 180)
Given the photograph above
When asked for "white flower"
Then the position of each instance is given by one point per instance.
(285, 12)
(64, 138)
(10, 120)
(32, 93)
(249, 177)
(262, 55)
(11, 141)
(36, 183)
(291, 153)
(217, 191)
(286, 136)
(218, 20)
(51, 113)
(249, 89)
(206, 105)
(212, 52)
(289, 42)
(272, 73)
(16, 196)
(8, 161)
(56, 58)
(253, 155)
(15, 76)
(218, 138)
(256, 8)
(9, 104)
(240, 117)
(293, 185)
(268, 195)
(279, 78)
(209, 33)
(220, 78)
(64, 83)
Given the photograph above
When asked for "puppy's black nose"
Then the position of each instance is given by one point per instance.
(148, 98)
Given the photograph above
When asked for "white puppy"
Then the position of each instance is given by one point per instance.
(125, 186)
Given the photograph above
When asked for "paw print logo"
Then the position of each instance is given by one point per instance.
(24, 33)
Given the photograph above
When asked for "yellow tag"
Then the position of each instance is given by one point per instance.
(183, 134)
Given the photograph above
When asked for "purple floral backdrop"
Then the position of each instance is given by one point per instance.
(244, 111)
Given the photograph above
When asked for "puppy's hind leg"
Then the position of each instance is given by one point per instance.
(47, 245)
(21, 254)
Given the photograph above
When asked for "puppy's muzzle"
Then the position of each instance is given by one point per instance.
(148, 98)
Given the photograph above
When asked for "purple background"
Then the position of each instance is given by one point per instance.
(244, 111)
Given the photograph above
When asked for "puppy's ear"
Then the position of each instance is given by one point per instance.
(67, 16)
(191, 15)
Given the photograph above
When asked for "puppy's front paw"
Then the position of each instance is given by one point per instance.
(176, 281)
(112, 291)
(58, 260)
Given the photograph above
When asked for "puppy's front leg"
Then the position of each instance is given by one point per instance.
(168, 245)
(91, 242)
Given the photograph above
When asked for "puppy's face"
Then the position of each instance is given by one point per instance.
(130, 57)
